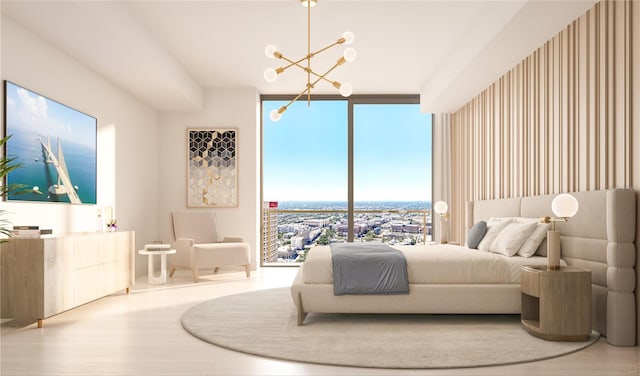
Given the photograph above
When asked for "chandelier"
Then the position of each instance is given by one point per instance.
(304, 63)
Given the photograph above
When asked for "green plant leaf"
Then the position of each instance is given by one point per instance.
(6, 166)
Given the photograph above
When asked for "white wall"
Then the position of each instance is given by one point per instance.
(127, 139)
(223, 108)
(141, 155)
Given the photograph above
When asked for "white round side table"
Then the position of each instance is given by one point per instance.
(162, 278)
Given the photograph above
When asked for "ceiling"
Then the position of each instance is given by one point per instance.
(166, 53)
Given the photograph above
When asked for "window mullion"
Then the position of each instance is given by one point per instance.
(350, 188)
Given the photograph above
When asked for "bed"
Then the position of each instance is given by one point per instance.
(599, 238)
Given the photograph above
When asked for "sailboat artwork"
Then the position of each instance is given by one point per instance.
(64, 185)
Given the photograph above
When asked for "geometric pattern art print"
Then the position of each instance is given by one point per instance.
(212, 168)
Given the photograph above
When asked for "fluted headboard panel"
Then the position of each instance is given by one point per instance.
(599, 238)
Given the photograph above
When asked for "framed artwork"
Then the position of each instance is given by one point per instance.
(212, 168)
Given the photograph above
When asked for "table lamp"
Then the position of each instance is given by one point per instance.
(564, 206)
(441, 207)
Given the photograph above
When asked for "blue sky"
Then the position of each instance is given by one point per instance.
(305, 153)
(27, 110)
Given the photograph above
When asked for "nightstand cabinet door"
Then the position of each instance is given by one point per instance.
(565, 303)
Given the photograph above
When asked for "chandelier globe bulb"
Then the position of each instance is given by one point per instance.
(270, 75)
(350, 54)
(346, 89)
(274, 115)
(270, 50)
(348, 37)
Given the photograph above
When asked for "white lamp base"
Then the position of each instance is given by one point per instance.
(444, 231)
(553, 250)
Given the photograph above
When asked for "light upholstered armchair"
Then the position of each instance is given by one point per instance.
(197, 245)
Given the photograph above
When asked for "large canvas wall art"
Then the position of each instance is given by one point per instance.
(55, 146)
(212, 168)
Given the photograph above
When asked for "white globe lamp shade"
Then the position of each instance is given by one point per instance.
(348, 37)
(440, 207)
(564, 206)
(274, 115)
(270, 50)
(309, 3)
(270, 75)
(346, 89)
(350, 54)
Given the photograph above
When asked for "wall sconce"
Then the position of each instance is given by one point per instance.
(441, 209)
(564, 206)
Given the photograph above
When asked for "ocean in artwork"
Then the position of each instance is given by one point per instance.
(39, 174)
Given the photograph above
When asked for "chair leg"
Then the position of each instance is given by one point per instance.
(195, 275)
(173, 270)
(247, 269)
(215, 270)
(300, 310)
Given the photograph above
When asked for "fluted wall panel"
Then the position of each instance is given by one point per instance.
(563, 120)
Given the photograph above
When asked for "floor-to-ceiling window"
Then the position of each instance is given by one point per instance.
(344, 170)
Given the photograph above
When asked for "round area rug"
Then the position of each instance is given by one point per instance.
(264, 323)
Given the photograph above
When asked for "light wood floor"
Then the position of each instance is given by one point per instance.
(140, 334)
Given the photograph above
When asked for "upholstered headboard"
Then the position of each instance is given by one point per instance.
(600, 238)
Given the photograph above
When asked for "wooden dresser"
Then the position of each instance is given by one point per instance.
(48, 275)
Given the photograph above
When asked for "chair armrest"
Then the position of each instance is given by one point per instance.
(184, 252)
(183, 243)
(232, 239)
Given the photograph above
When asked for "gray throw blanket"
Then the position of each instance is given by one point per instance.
(368, 268)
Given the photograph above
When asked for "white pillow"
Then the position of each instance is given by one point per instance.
(494, 226)
(530, 246)
(511, 238)
(526, 220)
(508, 219)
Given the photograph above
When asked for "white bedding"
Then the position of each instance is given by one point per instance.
(435, 264)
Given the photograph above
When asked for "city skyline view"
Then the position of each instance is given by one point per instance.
(292, 228)
(305, 153)
(305, 176)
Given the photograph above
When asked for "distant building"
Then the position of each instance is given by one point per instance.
(297, 242)
(317, 223)
(285, 253)
(358, 229)
(314, 234)
(269, 231)
(397, 227)
(293, 228)
(412, 228)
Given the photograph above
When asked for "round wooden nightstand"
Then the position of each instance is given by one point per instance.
(556, 303)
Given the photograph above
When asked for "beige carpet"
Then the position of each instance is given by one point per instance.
(264, 323)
